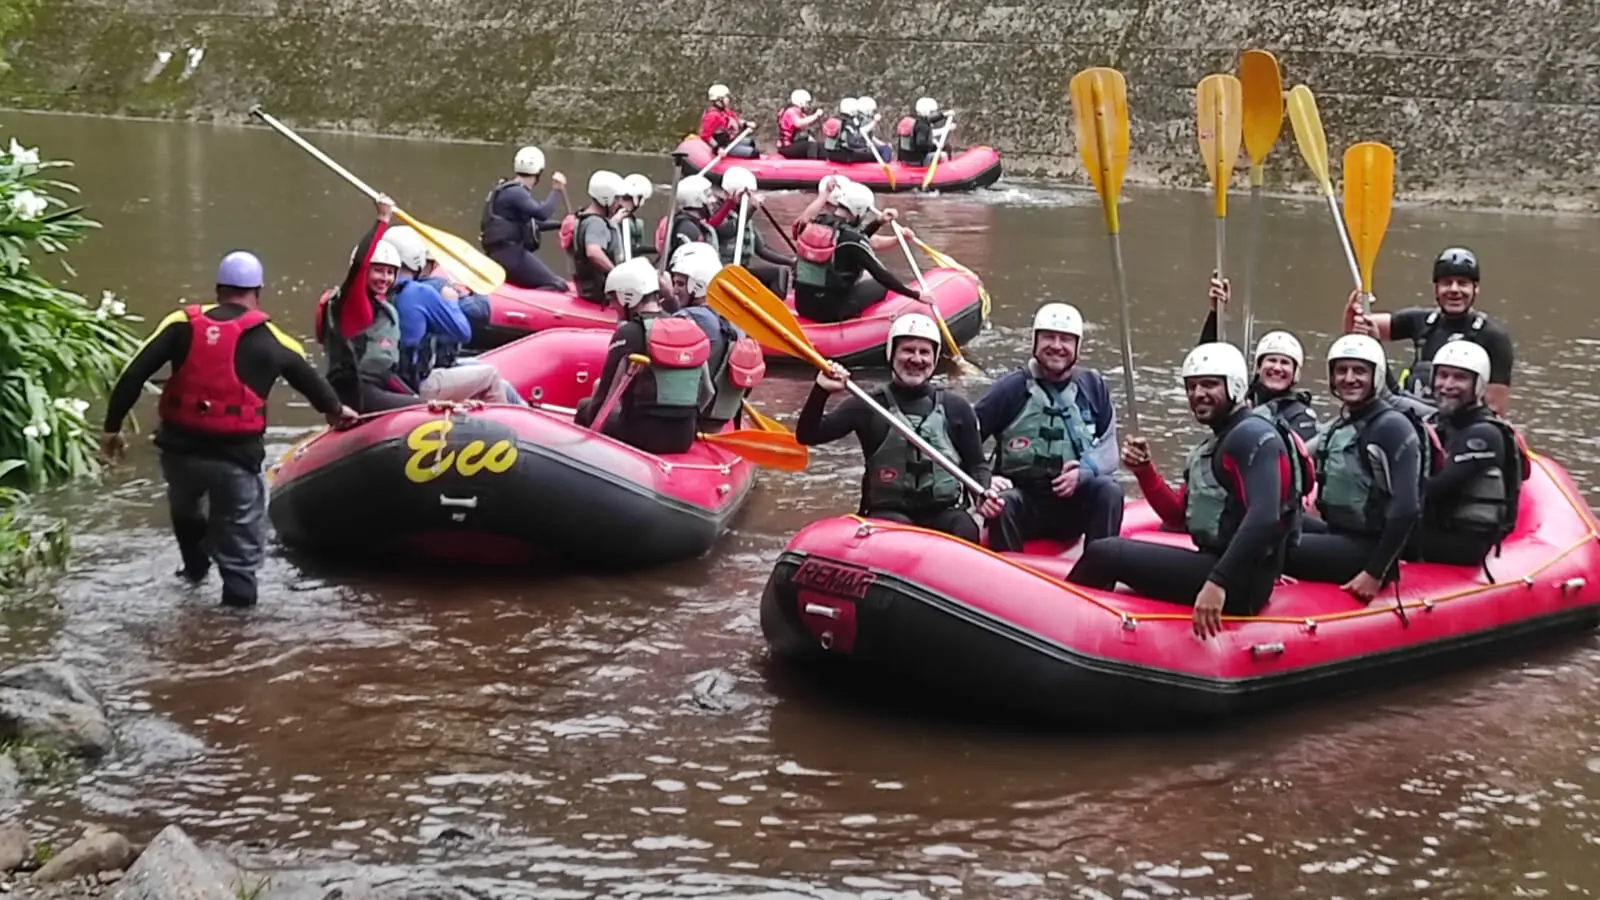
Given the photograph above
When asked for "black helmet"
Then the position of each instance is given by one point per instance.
(1456, 261)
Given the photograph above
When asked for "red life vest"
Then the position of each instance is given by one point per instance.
(816, 243)
(569, 227)
(747, 365)
(677, 343)
(905, 127)
(205, 394)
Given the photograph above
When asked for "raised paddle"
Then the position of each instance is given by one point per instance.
(768, 449)
(748, 127)
(933, 304)
(1262, 86)
(634, 363)
(1100, 118)
(1308, 135)
(463, 261)
(738, 241)
(873, 146)
(1368, 196)
(747, 303)
(1219, 122)
(946, 261)
(938, 150)
(778, 227)
(664, 254)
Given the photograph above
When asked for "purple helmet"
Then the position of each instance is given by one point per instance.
(239, 269)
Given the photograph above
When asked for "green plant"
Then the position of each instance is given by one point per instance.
(26, 549)
(251, 892)
(13, 15)
(55, 348)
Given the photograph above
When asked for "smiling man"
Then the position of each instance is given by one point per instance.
(1455, 293)
(900, 484)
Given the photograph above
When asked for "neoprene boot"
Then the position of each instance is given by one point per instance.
(191, 535)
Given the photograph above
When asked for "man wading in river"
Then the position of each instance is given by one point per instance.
(225, 358)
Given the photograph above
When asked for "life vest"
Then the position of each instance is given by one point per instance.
(589, 281)
(1292, 411)
(736, 363)
(569, 227)
(899, 477)
(1487, 504)
(635, 226)
(729, 238)
(204, 394)
(814, 248)
(372, 355)
(445, 352)
(1046, 433)
(1212, 513)
(496, 231)
(903, 131)
(707, 234)
(1349, 495)
(1417, 380)
(830, 133)
(678, 351)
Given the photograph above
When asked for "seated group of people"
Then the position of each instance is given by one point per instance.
(1429, 474)
(846, 136)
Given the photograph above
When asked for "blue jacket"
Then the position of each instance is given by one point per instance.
(1006, 397)
(425, 318)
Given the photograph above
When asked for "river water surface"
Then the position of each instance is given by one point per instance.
(589, 736)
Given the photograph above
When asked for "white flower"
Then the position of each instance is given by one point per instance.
(109, 304)
(30, 430)
(28, 205)
(22, 155)
(44, 429)
(71, 405)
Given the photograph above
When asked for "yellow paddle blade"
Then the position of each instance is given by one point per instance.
(764, 448)
(1307, 125)
(1219, 122)
(1368, 195)
(1262, 84)
(747, 303)
(1100, 124)
(763, 422)
(464, 262)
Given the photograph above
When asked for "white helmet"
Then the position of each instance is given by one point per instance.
(1363, 348)
(1062, 317)
(718, 92)
(638, 187)
(800, 97)
(837, 181)
(847, 106)
(927, 106)
(605, 186)
(1219, 360)
(914, 325)
(529, 161)
(738, 178)
(633, 281)
(694, 192)
(697, 268)
(410, 246)
(866, 106)
(693, 248)
(855, 198)
(385, 255)
(1283, 344)
(1468, 355)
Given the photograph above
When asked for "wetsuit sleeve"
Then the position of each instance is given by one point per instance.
(305, 379)
(1001, 403)
(1165, 502)
(1472, 450)
(1208, 331)
(355, 310)
(544, 213)
(521, 205)
(1498, 344)
(160, 348)
(1402, 452)
(964, 434)
(815, 426)
(870, 262)
(443, 318)
(1406, 324)
(1101, 457)
(628, 338)
(1253, 455)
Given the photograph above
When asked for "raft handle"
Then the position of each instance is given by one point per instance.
(817, 609)
(463, 502)
(581, 376)
(513, 314)
(1276, 647)
(1573, 585)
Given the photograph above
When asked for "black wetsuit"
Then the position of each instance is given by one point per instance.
(653, 430)
(1291, 407)
(1429, 329)
(853, 261)
(1473, 444)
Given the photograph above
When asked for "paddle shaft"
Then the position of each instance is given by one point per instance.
(611, 400)
(873, 146)
(748, 127)
(938, 151)
(1127, 330)
(663, 254)
(778, 227)
(1247, 288)
(738, 241)
(1349, 250)
(1222, 252)
(915, 440)
(319, 156)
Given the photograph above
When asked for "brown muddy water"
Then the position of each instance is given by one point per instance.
(520, 735)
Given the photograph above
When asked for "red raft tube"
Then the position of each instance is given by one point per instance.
(967, 170)
(859, 342)
(991, 631)
(506, 485)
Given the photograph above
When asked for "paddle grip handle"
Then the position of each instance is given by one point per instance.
(915, 440)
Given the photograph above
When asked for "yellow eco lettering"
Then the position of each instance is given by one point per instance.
(429, 458)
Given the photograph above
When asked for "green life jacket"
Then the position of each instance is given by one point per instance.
(815, 247)
(1045, 434)
(1350, 494)
(730, 241)
(669, 385)
(1212, 515)
(371, 355)
(635, 234)
(899, 477)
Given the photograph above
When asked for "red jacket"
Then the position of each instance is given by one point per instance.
(719, 124)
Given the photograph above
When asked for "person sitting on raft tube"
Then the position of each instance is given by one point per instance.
(917, 137)
(596, 239)
(225, 358)
(721, 125)
(1455, 293)
(1055, 434)
(1240, 503)
(657, 409)
(638, 189)
(1278, 360)
(426, 319)
(735, 364)
(900, 484)
(1370, 465)
(770, 267)
(795, 140)
(867, 114)
(837, 275)
(839, 131)
(359, 328)
(1470, 505)
(694, 221)
(512, 220)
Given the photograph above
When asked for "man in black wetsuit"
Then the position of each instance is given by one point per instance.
(1455, 291)
(838, 275)
(1470, 505)
(512, 220)
(771, 268)
(1278, 360)
(1369, 466)
(1238, 503)
(900, 484)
